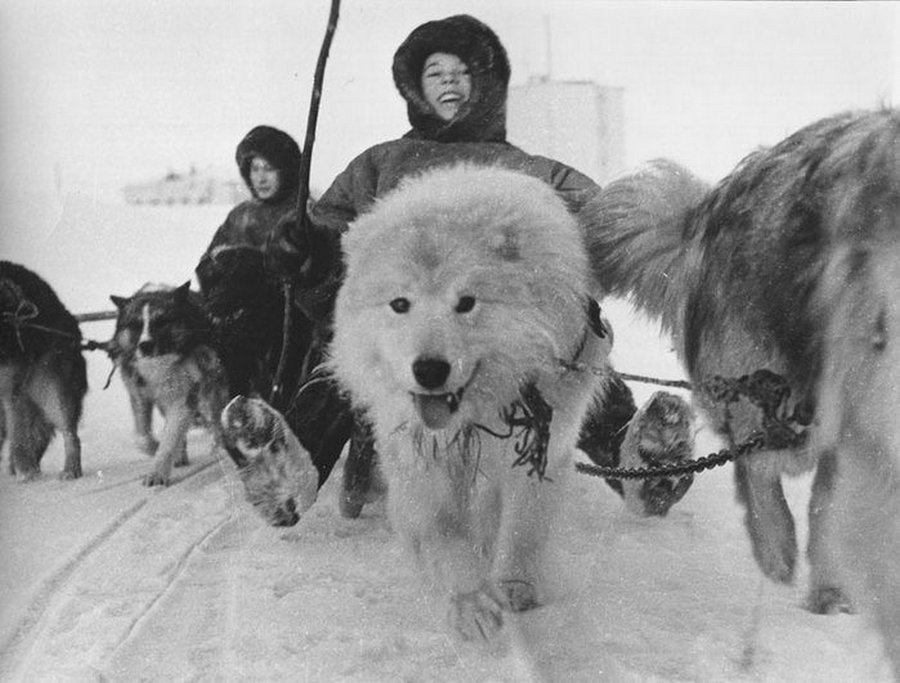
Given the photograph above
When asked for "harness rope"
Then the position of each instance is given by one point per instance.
(27, 311)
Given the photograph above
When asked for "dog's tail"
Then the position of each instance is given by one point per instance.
(637, 237)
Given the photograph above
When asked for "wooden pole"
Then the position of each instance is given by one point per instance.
(303, 195)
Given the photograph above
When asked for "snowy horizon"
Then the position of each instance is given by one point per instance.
(97, 95)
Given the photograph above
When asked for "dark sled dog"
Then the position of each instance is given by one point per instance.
(164, 348)
(246, 306)
(43, 377)
(791, 265)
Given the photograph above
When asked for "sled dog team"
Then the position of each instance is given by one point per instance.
(464, 349)
(468, 336)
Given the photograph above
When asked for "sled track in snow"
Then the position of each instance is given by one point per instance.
(194, 470)
(17, 644)
(171, 580)
(51, 586)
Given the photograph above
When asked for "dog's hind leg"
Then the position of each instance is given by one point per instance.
(29, 435)
(826, 595)
(865, 526)
(767, 515)
(61, 401)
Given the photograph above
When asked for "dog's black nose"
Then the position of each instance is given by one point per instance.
(431, 373)
(146, 348)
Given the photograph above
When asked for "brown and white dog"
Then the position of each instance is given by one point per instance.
(164, 348)
(43, 377)
(790, 265)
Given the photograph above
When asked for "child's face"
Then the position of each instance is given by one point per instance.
(265, 179)
(446, 84)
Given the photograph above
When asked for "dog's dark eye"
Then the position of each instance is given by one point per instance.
(465, 304)
(400, 305)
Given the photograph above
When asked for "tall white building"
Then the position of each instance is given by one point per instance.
(579, 123)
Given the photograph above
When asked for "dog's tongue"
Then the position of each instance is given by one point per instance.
(436, 410)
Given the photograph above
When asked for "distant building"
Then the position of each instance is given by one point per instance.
(579, 123)
(194, 187)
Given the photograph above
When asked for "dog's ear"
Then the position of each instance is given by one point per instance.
(182, 292)
(119, 301)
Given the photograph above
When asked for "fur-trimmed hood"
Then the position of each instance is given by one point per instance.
(276, 147)
(483, 118)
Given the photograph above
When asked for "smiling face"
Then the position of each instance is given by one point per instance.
(264, 178)
(446, 84)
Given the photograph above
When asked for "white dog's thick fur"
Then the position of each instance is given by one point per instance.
(463, 319)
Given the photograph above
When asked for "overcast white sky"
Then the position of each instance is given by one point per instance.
(109, 91)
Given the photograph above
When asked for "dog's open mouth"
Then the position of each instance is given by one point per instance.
(437, 409)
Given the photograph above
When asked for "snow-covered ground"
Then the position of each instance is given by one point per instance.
(105, 579)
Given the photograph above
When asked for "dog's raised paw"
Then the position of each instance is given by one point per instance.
(476, 615)
(279, 478)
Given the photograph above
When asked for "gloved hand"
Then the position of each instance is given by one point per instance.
(287, 250)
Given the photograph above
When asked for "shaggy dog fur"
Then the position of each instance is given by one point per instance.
(43, 376)
(790, 265)
(465, 330)
(462, 329)
(163, 346)
(246, 306)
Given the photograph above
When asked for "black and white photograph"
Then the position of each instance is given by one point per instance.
(449, 340)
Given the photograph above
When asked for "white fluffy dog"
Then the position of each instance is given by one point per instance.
(465, 329)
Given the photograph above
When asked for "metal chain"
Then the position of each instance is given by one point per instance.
(763, 388)
(756, 441)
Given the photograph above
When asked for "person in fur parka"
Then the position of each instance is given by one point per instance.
(269, 162)
(471, 73)
(476, 133)
(241, 297)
